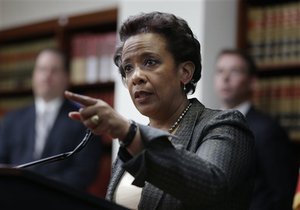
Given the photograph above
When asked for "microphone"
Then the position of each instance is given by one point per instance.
(61, 156)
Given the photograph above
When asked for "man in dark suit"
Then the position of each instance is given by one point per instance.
(44, 129)
(277, 166)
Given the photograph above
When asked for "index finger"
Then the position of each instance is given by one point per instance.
(82, 99)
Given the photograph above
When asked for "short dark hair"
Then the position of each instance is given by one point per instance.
(181, 41)
(251, 66)
(60, 54)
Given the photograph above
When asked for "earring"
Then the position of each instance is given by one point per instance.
(193, 82)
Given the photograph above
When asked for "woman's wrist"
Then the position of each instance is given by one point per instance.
(128, 139)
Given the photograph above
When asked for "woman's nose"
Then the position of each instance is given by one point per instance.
(138, 76)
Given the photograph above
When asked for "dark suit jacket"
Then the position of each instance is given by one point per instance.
(209, 165)
(17, 136)
(277, 168)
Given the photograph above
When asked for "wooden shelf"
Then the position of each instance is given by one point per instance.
(15, 93)
(61, 31)
(277, 89)
(107, 17)
(28, 32)
(101, 87)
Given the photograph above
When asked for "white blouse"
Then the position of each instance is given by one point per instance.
(126, 194)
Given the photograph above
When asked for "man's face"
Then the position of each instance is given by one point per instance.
(233, 83)
(49, 77)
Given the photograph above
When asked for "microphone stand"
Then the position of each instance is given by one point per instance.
(61, 156)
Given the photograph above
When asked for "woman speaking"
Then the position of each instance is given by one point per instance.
(188, 156)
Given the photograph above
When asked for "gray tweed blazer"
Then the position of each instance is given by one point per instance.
(208, 165)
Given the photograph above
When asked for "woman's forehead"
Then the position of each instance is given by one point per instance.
(143, 43)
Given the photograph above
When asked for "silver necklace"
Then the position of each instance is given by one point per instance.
(172, 128)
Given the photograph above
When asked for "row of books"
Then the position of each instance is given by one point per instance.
(274, 34)
(92, 58)
(17, 62)
(280, 97)
(16, 82)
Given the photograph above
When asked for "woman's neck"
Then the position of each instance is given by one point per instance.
(167, 121)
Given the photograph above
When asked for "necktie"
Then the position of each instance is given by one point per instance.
(42, 130)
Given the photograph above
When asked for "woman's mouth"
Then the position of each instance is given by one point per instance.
(141, 96)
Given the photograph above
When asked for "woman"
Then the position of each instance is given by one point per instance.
(188, 156)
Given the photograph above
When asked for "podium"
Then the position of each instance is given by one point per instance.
(23, 189)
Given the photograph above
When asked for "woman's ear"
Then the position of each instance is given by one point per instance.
(186, 70)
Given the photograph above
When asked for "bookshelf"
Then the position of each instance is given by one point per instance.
(270, 32)
(20, 45)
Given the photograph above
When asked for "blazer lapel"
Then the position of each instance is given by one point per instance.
(117, 173)
(152, 194)
(187, 125)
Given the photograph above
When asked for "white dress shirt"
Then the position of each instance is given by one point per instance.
(243, 107)
(127, 194)
(46, 113)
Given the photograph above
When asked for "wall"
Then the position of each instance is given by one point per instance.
(18, 12)
(1, 2)
(219, 32)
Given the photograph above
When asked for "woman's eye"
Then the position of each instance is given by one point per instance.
(150, 62)
(127, 68)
